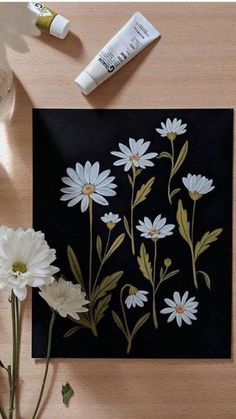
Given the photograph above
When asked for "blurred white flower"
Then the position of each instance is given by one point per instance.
(110, 220)
(172, 128)
(134, 155)
(65, 298)
(25, 259)
(136, 297)
(158, 229)
(181, 309)
(197, 185)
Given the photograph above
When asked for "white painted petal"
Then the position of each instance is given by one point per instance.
(105, 182)
(139, 145)
(103, 175)
(132, 144)
(121, 162)
(186, 319)
(162, 132)
(119, 154)
(68, 196)
(99, 199)
(94, 173)
(143, 148)
(105, 191)
(160, 224)
(167, 310)
(73, 175)
(170, 302)
(145, 162)
(84, 203)
(149, 156)
(190, 306)
(80, 172)
(68, 181)
(20, 293)
(125, 149)
(128, 166)
(184, 298)
(141, 228)
(190, 315)
(87, 170)
(171, 317)
(128, 301)
(176, 297)
(179, 319)
(139, 302)
(148, 223)
(75, 200)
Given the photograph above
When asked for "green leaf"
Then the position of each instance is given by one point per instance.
(73, 330)
(164, 154)
(99, 247)
(206, 240)
(139, 324)
(117, 242)
(83, 320)
(137, 173)
(182, 218)
(144, 263)
(102, 306)
(206, 277)
(75, 267)
(181, 157)
(175, 191)
(161, 274)
(130, 180)
(107, 284)
(126, 224)
(143, 191)
(118, 322)
(67, 392)
(170, 274)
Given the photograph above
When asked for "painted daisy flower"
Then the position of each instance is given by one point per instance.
(65, 298)
(25, 259)
(134, 155)
(111, 220)
(183, 310)
(158, 229)
(197, 185)
(85, 183)
(136, 297)
(172, 129)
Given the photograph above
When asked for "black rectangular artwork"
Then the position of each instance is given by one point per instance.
(138, 205)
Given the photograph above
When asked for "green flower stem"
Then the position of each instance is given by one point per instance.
(102, 261)
(49, 347)
(15, 353)
(128, 335)
(91, 244)
(192, 247)
(154, 313)
(172, 167)
(132, 211)
(193, 217)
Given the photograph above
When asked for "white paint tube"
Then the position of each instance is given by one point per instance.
(126, 44)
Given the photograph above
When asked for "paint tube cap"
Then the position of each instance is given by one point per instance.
(59, 27)
(85, 82)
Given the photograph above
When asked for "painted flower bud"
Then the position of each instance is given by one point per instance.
(167, 262)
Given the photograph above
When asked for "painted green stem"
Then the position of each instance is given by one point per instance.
(154, 313)
(172, 167)
(91, 244)
(102, 261)
(193, 217)
(132, 211)
(15, 352)
(49, 347)
(192, 247)
(128, 335)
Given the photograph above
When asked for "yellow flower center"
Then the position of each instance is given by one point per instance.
(171, 136)
(153, 232)
(179, 309)
(135, 157)
(195, 195)
(133, 291)
(19, 267)
(88, 189)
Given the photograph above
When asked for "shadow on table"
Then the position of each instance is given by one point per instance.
(71, 45)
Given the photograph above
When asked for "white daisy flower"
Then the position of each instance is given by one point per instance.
(111, 220)
(197, 185)
(134, 155)
(25, 259)
(65, 298)
(85, 183)
(183, 310)
(158, 229)
(172, 129)
(136, 297)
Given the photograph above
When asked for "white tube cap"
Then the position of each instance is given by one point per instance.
(85, 82)
(59, 27)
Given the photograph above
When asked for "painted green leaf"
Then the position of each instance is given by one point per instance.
(164, 154)
(181, 157)
(170, 274)
(174, 192)
(143, 191)
(144, 263)
(126, 224)
(161, 274)
(138, 172)
(182, 218)
(139, 324)
(67, 392)
(206, 277)
(206, 240)
(118, 322)
(75, 267)
(99, 247)
(83, 320)
(117, 242)
(130, 180)
(73, 330)
(102, 306)
(107, 284)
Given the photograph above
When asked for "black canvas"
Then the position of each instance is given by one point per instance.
(162, 290)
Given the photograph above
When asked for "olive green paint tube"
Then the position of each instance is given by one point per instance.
(49, 21)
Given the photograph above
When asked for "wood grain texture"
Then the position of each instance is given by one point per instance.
(193, 65)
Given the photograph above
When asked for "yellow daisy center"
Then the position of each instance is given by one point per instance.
(19, 267)
(88, 189)
(179, 309)
(135, 157)
(153, 232)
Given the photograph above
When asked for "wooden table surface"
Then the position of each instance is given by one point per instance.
(193, 65)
